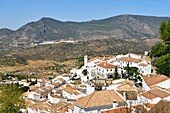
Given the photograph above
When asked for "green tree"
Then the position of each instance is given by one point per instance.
(98, 86)
(10, 99)
(33, 82)
(162, 30)
(167, 33)
(163, 65)
(160, 52)
(116, 74)
(85, 72)
(20, 77)
(132, 73)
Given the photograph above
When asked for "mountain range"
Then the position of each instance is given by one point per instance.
(128, 27)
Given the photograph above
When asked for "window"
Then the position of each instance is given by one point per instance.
(110, 69)
(107, 70)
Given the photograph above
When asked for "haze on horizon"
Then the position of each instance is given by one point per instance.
(15, 13)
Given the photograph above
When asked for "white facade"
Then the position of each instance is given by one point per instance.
(34, 96)
(80, 110)
(164, 84)
(145, 86)
(130, 59)
(67, 95)
(85, 60)
(56, 100)
(105, 71)
(145, 70)
(151, 101)
(89, 89)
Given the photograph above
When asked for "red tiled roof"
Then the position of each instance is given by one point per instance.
(141, 108)
(60, 79)
(143, 64)
(99, 98)
(161, 107)
(154, 79)
(130, 59)
(106, 65)
(56, 84)
(71, 90)
(119, 110)
(153, 93)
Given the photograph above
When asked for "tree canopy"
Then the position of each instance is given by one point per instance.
(10, 99)
(163, 65)
(160, 53)
(159, 49)
(116, 74)
(164, 31)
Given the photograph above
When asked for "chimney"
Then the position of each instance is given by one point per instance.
(124, 95)
(128, 56)
(105, 63)
(115, 104)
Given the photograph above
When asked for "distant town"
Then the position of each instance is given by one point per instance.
(120, 84)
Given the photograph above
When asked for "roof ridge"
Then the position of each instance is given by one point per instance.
(163, 90)
(153, 94)
(156, 94)
(89, 99)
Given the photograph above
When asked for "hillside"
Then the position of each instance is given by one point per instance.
(47, 29)
(65, 51)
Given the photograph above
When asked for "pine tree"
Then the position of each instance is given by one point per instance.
(116, 75)
(167, 31)
(162, 30)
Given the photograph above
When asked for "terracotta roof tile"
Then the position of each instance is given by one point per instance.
(106, 65)
(61, 79)
(56, 96)
(93, 59)
(143, 64)
(38, 91)
(130, 95)
(71, 106)
(149, 95)
(130, 59)
(25, 94)
(161, 107)
(32, 88)
(119, 110)
(99, 98)
(140, 108)
(156, 92)
(154, 79)
(97, 62)
(71, 90)
(149, 105)
(56, 84)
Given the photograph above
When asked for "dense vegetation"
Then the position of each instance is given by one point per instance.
(12, 60)
(160, 53)
(10, 99)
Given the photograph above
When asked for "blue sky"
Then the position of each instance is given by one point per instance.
(15, 13)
